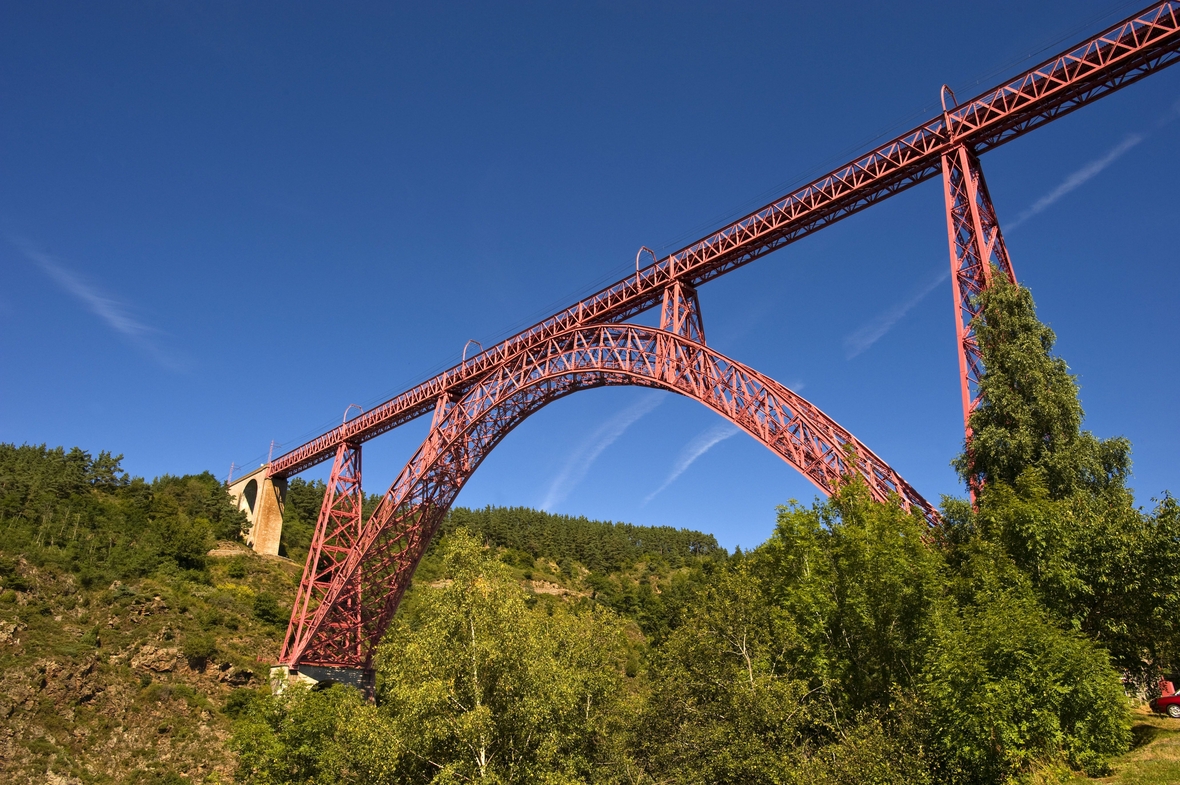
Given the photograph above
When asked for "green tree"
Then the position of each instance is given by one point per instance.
(725, 706)
(1055, 497)
(301, 509)
(267, 609)
(799, 662)
(1006, 689)
(864, 588)
(1030, 416)
(479, 686)
(316, 737)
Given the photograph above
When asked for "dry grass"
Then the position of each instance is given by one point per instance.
(1154, 758)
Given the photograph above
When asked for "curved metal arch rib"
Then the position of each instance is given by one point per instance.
(399, 530)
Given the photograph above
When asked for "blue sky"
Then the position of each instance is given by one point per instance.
(220, 224)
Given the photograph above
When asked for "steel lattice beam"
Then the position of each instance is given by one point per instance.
(977, 253)
(392, 541)
(336, 533)
(1121, 55)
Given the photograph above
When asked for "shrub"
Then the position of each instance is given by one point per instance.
(185, 541)
(267, 610)
(1007, 690)
(198, 650)
(236, 568)
(91, 638)
(239, 702)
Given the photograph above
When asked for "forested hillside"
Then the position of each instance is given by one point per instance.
(121, 640)
(135, 626)
(856, 645)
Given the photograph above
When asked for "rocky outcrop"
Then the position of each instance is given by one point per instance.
(155, 658)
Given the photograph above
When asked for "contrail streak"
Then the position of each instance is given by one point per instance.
(695, 449)
(576, 466)
(870, 333)
(1077, 179)
(110, 311)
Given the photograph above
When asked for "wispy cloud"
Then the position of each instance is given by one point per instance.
(1077, 179)
(110, 311)
(870, 333)
(1093, 168)
(579, 462)
(700, 445)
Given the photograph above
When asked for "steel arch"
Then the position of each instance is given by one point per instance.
(381, 561)
(1123, 54)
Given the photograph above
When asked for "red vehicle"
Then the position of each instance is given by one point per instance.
(1167, 704)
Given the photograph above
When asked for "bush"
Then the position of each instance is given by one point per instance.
(236, 568)
(198, 650)
(267, 610)
(185, 541)
(239, 702)
(160, 693)
(1008, 690)
(91, 638)
(15, 582)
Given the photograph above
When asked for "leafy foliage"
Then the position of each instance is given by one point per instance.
(1030, 416)
(864, 589)
(267, 610)
(475, 685)
(944, 671)
(1055, 499)
(725, 705)
(1007, 689)
(301, 508)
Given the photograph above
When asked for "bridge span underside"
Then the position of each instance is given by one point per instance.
(357, 574)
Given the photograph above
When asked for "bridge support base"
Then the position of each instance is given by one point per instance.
(261, 498)
(319, 677)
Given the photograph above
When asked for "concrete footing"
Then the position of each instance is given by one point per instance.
(318, 677)
(261, 498)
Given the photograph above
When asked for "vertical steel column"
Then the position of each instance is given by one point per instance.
(680, 312)
(977, 253)
(336, 531)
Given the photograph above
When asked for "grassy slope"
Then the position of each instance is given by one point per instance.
(96, 685)
(1154, 759)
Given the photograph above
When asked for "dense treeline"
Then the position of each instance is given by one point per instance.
(595, 557)
(599, 546)
(844, 650)
(855, 645)
(85, 515)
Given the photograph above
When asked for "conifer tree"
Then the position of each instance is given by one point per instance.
(1030, 416)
